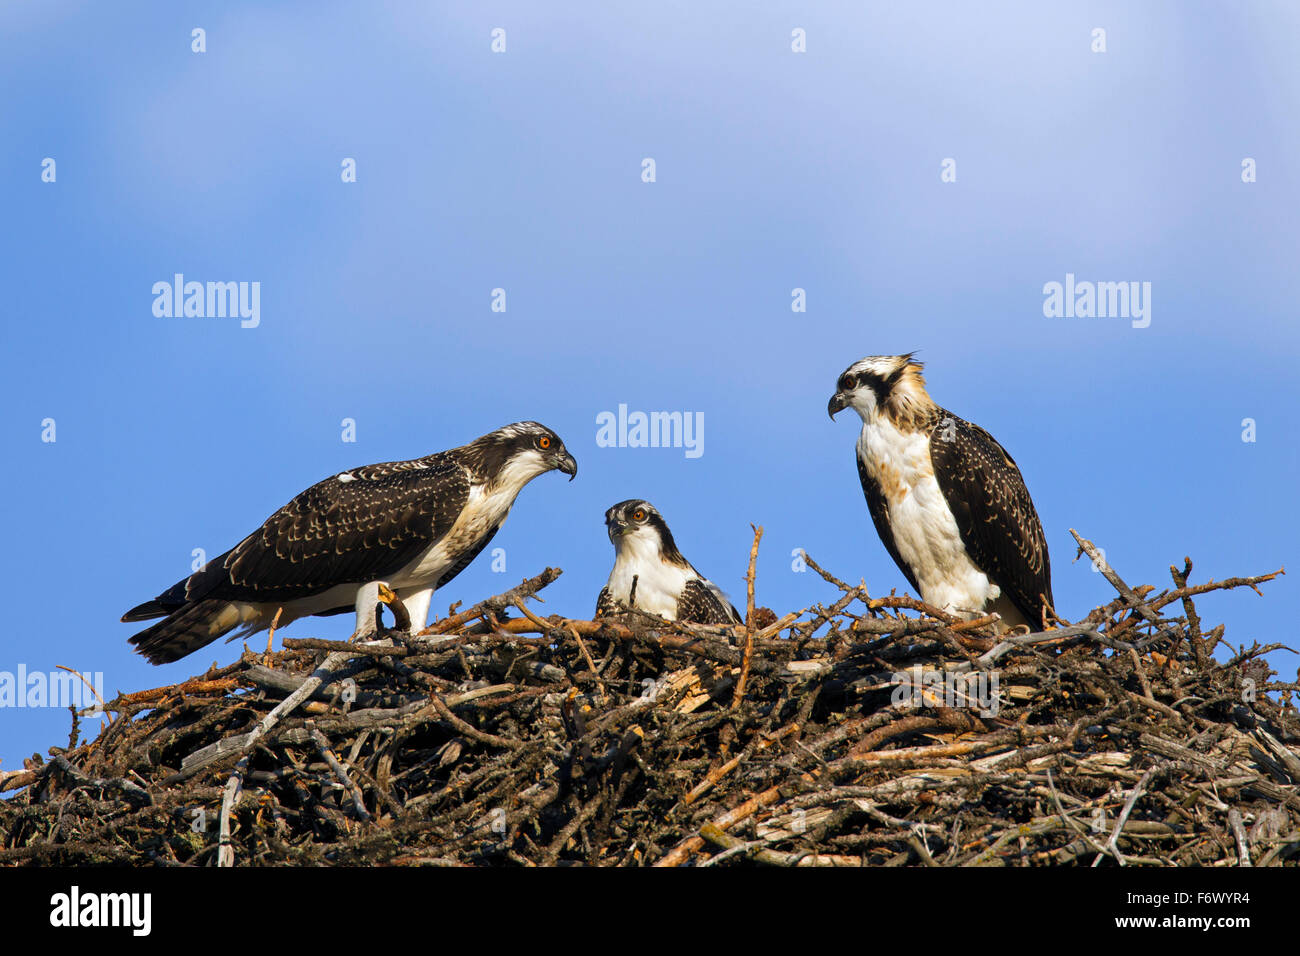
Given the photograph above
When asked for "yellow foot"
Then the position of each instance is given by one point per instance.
(401, 619)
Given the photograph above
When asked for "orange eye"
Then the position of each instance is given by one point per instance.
(544, 442)
(638, 515)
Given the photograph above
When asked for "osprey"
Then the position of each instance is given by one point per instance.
(666, 583)
(947, 500)
(410, 526)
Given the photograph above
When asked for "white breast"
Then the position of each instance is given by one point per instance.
(482, 512)
(925, 531)
(658, 585)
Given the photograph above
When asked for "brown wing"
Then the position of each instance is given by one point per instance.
(605, 603)
(995, 515)
(699, 604)
(335, 532)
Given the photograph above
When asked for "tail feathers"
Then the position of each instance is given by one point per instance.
(188, 628)
(184, 593)
(146, 611)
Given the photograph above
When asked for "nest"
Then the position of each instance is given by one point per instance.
(872, 731)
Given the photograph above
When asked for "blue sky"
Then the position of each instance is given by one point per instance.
(522, 170)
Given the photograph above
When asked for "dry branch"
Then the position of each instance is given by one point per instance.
(865, 731)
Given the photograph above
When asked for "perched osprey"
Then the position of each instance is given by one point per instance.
(947, 500)
(666, 583)
(411, 525)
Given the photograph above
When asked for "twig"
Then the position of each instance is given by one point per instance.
(230, 798)
(1134, 794)
(749, 621)
(323, 748)
(229, 746)
(1239, 831)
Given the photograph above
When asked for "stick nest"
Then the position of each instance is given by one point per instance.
(865, 732)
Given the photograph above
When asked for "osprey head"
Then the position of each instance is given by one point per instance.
(632, 517)
(636, 524)
(519, 453)
(876, 382)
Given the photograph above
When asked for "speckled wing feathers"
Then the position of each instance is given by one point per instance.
(699, 604)
(605, 604)
(995, 515)
(358, 530)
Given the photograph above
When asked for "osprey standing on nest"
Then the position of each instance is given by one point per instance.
(410, 526)
(666, 583)
(947, 500)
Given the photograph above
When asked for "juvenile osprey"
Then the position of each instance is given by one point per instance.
(412, 525)
(666, 583)
(947, 500)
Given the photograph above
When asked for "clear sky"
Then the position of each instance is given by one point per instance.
(523, 170)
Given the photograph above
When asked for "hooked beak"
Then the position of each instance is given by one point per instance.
(837, 403)
(569, 465)
(617, 529)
